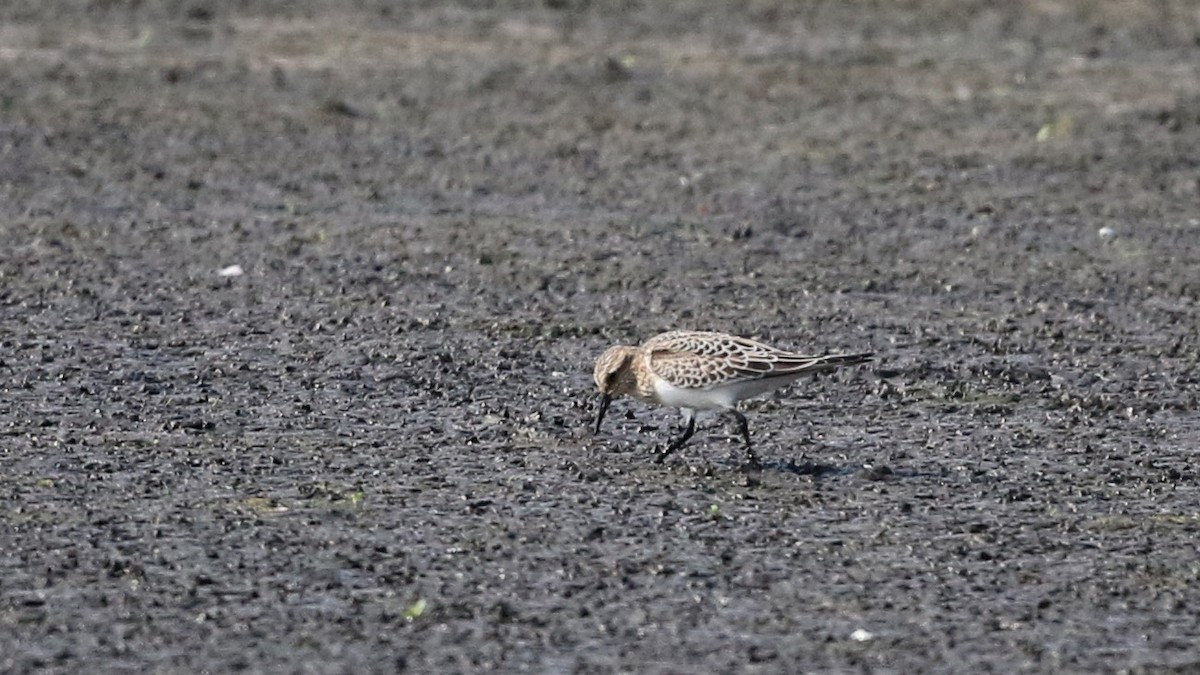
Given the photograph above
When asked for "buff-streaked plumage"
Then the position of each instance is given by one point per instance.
(702, 370)
(702, 360)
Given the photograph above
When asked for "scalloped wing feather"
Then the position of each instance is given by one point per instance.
(700, 360)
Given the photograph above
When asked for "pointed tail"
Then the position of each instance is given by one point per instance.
(798, 365)
(837, 360)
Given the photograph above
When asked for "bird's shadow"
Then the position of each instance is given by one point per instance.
(806, 467)
(822, 470)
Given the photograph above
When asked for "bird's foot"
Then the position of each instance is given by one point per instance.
(752, 463)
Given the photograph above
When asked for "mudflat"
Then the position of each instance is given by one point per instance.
(299, 303)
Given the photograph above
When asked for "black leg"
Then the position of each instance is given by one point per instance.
(678, 442)
(744, 427)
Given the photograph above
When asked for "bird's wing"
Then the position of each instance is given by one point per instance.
(699, 360)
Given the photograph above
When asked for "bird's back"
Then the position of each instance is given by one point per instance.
(704, 359)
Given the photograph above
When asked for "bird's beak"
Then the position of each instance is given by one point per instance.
(604, 401)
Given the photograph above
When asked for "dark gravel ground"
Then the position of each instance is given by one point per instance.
(444, 212)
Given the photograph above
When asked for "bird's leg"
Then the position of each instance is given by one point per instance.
(744, 427)
(683, 438)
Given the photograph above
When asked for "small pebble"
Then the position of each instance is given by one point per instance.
(861, 635)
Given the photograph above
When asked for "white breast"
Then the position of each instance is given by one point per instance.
(721, 397)
(698, 399)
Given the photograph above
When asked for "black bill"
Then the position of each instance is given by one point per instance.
(604, 401)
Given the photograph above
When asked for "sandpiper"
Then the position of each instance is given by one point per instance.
(701, 370)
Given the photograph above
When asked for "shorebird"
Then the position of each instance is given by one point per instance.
(700, 370)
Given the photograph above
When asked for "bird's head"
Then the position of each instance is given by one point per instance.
(614, 376)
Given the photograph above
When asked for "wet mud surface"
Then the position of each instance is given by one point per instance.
(370, 451)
